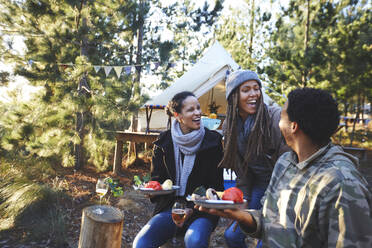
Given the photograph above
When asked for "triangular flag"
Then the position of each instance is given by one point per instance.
(97, 68)
(107, 70)
(170, 65)
(128, 69)
(157, 65)
(118, 70)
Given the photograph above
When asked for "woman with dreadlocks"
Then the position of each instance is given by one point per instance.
(253, 142)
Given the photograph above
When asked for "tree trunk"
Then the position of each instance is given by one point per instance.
(355, 121)
(79, 147)
(251, 29)
(362, 106)
(346, 105)
(132, 151)
(306, 44)
(118, 157)
(101, 230)
(83, 91)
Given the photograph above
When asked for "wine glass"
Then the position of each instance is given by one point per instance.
(178, 217)
(101, 189)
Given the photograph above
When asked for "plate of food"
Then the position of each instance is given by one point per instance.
(231, 198)
(154, 188)
(220, 204)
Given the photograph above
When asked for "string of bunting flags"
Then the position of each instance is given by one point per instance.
(128, 69)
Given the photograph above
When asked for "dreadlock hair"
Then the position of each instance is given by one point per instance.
(259, 137)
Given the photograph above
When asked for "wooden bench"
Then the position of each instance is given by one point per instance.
(126, 136)
(360, 153)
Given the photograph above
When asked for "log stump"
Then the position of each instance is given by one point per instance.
(101, 230)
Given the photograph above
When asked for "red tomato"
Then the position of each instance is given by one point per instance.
(155, 185)
(233, 194)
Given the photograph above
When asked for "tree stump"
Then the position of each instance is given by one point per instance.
(101, 230)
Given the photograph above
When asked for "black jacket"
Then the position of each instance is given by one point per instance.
(204, 172)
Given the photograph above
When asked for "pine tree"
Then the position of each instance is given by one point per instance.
(323, 44)
(294, 49)
(348, 46)
(296, 44)
(64, 39)
(192, 31)
(242, 32)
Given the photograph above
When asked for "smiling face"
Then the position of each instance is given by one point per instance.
(249, 97)
(190, 115)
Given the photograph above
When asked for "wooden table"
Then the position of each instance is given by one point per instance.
(360, 153)
(126, 136)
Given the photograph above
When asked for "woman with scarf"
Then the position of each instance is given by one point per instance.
(188, 154)
(253, 142)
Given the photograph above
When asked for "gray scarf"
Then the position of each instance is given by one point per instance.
(188, 144)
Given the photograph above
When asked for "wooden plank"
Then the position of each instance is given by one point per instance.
(118, 157)
(137, 137)
(360, 153)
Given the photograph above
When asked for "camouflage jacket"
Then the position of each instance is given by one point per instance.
(320, 202)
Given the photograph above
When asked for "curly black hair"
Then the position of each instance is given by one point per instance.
(316, 113)
(175, 105)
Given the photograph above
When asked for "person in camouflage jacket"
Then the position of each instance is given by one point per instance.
(316, 196)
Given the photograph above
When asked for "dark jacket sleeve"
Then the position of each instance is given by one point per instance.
(159, 172)
(158, 169)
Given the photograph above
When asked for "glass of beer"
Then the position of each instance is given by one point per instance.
(179, 216)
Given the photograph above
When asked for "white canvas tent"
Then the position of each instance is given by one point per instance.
(206, 79)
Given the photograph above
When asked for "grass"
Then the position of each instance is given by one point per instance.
(29, 208)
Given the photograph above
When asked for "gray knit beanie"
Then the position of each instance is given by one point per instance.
(238, 77)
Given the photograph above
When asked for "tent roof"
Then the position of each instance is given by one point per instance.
(212, 62)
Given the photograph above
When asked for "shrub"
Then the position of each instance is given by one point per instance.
(33, 208)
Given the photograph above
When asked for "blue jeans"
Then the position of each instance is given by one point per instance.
(161, 228)
(235, 238)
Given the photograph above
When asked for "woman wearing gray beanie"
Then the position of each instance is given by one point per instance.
(253, 142)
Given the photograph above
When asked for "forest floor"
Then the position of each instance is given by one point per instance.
(80, 186)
